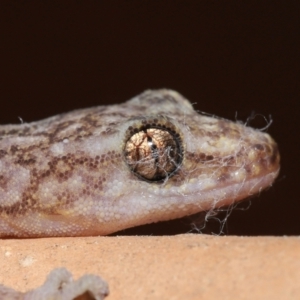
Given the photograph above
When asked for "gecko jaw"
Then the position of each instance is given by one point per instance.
(233, 192)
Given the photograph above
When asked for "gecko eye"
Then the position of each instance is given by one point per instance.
(152, 152)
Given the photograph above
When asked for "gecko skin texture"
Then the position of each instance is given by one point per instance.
(60, 286)
(99, 170)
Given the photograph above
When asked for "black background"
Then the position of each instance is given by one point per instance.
(232, 58)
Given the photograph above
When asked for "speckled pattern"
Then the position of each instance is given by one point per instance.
(67, 175)
(61, 286)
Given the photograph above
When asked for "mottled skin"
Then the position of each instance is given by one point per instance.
(67, 175)
(61, 286)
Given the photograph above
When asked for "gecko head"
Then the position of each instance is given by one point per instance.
(179, 162)
(99, 170)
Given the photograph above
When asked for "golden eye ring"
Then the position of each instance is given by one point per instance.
(153, 151)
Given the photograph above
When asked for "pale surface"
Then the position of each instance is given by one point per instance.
(177, 267)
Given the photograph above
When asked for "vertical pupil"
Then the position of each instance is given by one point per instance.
(153, 153)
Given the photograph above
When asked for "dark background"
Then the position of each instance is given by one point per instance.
(232, 58)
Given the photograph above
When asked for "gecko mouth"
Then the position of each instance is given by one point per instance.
(231, 193)
(235, 183)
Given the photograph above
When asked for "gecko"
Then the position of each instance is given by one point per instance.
(99, 170)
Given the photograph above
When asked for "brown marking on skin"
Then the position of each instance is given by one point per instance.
(109, 131)
(67, 175)
(199, 157)
(60, 168)
(24, 132)
(3, 182)
(224, 177)
(228, 130)
(2, 153)
(267, 157)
